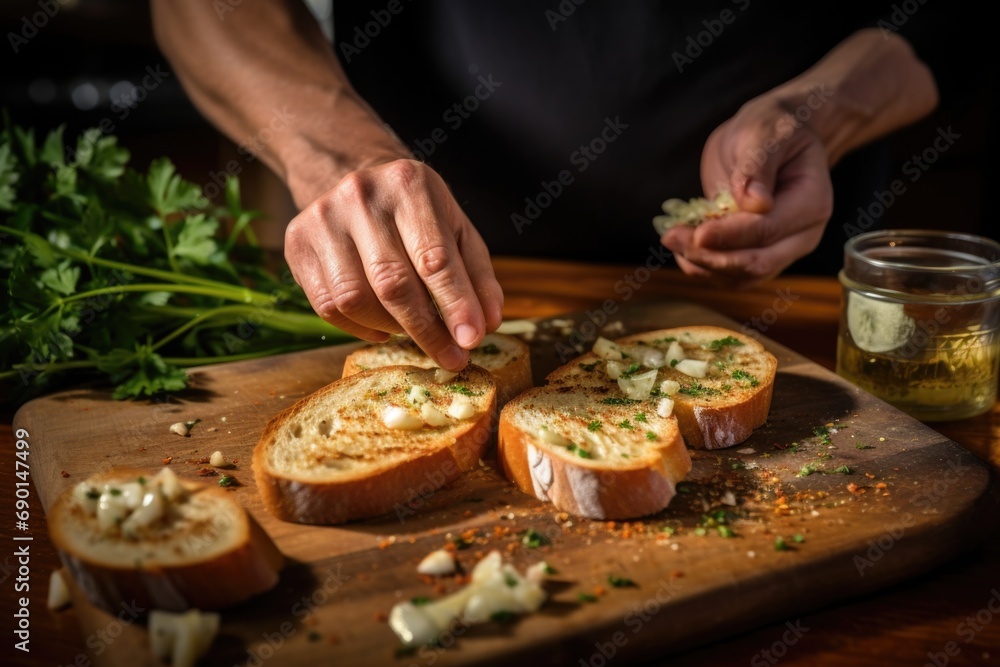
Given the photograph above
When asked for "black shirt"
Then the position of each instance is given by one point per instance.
(561, 127)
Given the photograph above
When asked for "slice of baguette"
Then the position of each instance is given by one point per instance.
(506, 357)
(719, 410)
(332, 458)
(204, 551)
(577, 446)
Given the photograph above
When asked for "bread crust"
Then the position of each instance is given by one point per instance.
(250, 567)
(588, 489)
(376, 493)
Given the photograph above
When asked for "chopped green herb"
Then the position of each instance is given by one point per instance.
(824, 456)
(595, 425)
(794, 447)
(115, 492)
(532, 539)
(698, 389)
(725, 531)
(383, 393)
(427, 392)
(728, 341)
(587, 597)
(461, 543)
(142, 480)
(797, 537)
(227, 480)
(669, 530)
(490, 348)
(93, 494)
(641, 417)
(615, 400)
(510, 580)
(502, 616)
(579, 451)
(739, 465)
(191, 424)
(626, 424)
(721, 365)
(668, 339)
(550, 570)
(700, 532)
(463, 390)
(843, 470)
(634, 368)
(862, 445)
(626, 456)
(807, 470)
(674, 362)
(650, 435)
(823, 433)
(589, 367)
(683, 488)
(420, 600)
(727, 387)
(780, 545)
(620, 582)
(743, 376)
(406, 651)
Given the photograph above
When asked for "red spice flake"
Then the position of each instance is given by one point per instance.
(381, 616)
(869, 475)
(384, 544)
(855, 489)
(235, 461)
(610, 525)
(64, 474)
(439, 588)
(427, 579)
(467, 513)
(512, 547)
(167, 460)
(199, 462)
(140, 449)
(881, 485)
(272, 393)
(463, 579)
(207, 472)
(600, 590)
(677, 574)
(470, 534)
(626, 533)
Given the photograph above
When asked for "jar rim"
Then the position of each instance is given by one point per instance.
(935, 236)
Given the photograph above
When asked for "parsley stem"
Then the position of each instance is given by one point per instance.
(169, 276)
(237, 294)
(297, 323)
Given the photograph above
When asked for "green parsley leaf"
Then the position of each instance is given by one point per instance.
(595, 425)
(728, 341)
(532, 539)
(620, 582)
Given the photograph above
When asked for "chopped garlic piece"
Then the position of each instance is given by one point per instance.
(400, 418)
(437, 563)
(461, 408)
(58, 591)
(693, 368)
(432, 416)
(218, 460)
(669, 387)
(665, 407)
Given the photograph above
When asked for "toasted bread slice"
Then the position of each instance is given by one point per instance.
(156, 542)
(371, 442)
(580, 447)
(506, 357)
(720, 409)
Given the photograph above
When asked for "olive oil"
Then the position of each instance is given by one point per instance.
(932, 376)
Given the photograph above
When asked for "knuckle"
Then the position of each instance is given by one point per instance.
(353, 188)
(325, 306)
(350, 298)
(391, 281)
(404, 175)
(432, 260)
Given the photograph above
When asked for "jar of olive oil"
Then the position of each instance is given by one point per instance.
(919, 321)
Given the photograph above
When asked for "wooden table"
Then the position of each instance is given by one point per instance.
(898, 626)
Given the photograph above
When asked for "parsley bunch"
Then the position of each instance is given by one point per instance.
(132, 276)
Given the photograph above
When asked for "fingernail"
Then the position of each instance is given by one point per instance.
(758, 190)
(452, 357)
(466, 335)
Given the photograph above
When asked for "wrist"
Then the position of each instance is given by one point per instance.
(333, 142)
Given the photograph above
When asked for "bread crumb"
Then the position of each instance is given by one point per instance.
(381, 616)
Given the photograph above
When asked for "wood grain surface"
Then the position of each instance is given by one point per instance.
(892, 628)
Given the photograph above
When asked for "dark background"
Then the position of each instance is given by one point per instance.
(76, 63)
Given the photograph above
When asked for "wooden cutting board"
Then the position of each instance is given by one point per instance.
(913, 499)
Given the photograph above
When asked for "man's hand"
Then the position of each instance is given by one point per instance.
(387, 250)
(777, 169)
(775, 155)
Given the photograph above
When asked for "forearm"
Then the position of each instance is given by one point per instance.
(865, 88)
(266, 58)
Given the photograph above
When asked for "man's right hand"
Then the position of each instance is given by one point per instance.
(387, 250)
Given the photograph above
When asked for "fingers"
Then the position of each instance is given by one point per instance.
(480, 268)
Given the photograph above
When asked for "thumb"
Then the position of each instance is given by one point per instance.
(754, 181)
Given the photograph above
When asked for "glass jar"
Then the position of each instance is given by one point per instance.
(919, 321)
